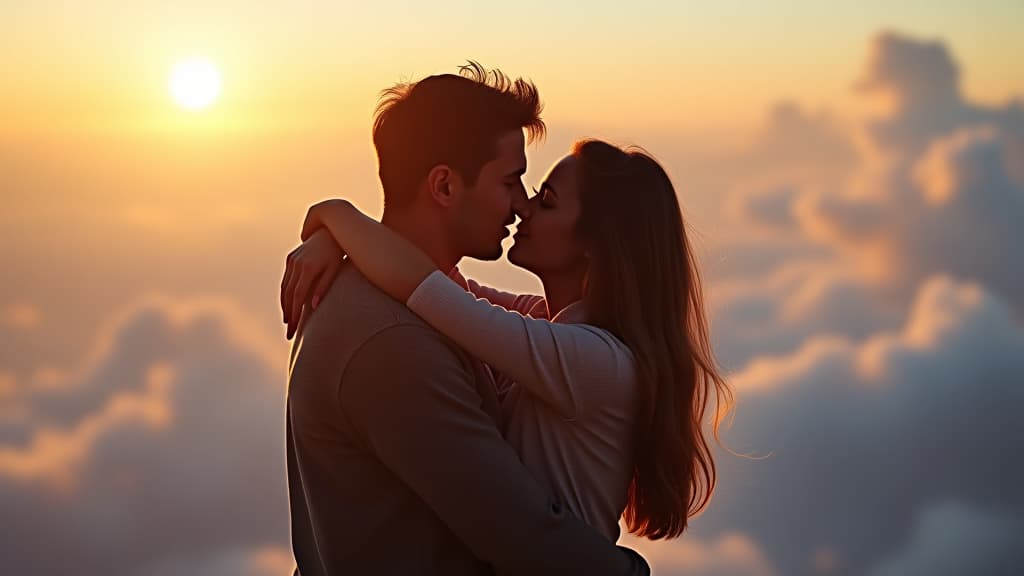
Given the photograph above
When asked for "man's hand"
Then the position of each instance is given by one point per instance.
(310, 270)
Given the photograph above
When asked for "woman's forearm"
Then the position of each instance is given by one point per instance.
(388, 260)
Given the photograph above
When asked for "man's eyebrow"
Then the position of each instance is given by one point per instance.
(518, 173)
(549, 188)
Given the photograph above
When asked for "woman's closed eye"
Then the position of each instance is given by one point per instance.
(544, 196)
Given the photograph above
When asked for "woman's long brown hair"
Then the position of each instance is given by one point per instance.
(643, 286)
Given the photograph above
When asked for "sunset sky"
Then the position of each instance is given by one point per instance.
(316, 65)
(853, 174)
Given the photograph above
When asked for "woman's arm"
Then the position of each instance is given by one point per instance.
(391, 262)
(525, 304)
(388, 260)
(548, 359)
(570, 367)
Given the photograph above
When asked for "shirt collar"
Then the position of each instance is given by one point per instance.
(572, 314)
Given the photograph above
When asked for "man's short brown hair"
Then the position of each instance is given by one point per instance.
(451, 119)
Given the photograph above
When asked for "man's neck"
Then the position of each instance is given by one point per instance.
(424, 235)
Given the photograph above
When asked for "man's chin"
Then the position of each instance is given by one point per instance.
(488, 255)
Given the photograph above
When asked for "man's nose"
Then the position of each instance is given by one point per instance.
(521, 203)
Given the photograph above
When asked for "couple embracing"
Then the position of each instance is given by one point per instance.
(438, 426)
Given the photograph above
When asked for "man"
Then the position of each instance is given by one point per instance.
(395, 462)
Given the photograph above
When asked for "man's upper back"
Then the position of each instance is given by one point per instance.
(349, 511)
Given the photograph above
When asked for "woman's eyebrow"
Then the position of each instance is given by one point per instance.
(550, 188)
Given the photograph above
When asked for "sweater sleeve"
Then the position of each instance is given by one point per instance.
(525, 304)
(550, 360)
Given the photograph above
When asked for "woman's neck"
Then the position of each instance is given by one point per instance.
(562, 290)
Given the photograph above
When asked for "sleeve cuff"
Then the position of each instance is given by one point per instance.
(436, 292)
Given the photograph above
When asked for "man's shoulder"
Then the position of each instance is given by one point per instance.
(382, 333)
(355, 306)
(351, 314)
(411, 362)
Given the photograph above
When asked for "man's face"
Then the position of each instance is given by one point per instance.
(485, 210)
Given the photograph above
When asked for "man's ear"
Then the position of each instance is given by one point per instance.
(443, 184)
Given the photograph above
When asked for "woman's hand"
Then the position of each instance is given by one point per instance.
(388, 260)
(319, 213)
(309, 271)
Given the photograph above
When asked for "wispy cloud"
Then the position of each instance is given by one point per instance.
(164, 452)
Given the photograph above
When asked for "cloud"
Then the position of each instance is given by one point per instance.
(164, 452)
(921, 81)
(814, 149)
(944, 193)
(731, 554)
(938, 189)
(930, 155)
(864, 434)
(951, 539)
(883, 373)
(771, 209)
(741, 199)
(256, 561)
(22, 316)
(958, 212)
(797, 301)
(55, 456)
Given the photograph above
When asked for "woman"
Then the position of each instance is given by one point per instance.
(609, 374)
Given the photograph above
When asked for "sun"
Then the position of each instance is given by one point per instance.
(194, 83)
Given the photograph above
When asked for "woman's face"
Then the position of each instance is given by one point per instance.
(546, 241)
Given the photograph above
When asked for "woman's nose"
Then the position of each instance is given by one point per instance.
(524, 212)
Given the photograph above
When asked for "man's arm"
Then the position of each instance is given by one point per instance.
(416, 405)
